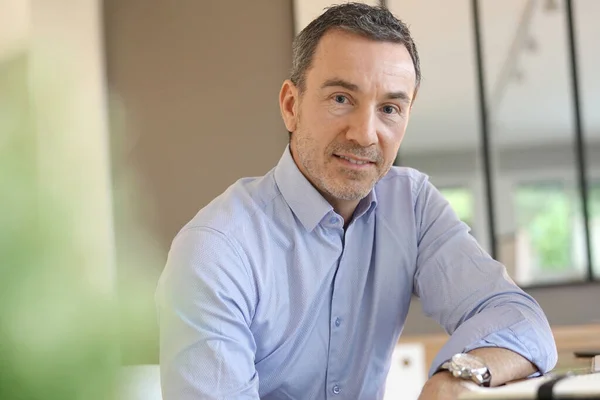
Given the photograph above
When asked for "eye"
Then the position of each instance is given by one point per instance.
(389, 109)
(340, 98)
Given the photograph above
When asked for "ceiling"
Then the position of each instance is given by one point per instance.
(528, 87)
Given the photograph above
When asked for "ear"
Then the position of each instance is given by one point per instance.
(288, 105)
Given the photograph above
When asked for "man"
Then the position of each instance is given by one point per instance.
(296, 285)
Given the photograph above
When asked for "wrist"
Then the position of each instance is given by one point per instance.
(443, 382)
(468, 367)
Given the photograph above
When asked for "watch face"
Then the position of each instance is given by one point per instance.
(467, 362)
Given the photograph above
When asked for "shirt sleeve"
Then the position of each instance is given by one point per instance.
(205, 301)
(469, 293)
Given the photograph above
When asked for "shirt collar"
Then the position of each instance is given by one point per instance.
(302, 197)
(366, 205)
(309, 206)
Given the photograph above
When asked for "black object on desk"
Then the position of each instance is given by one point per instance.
(587, 353)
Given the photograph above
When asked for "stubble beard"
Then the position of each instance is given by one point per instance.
(329, 180)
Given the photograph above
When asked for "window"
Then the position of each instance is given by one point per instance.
(461, 200)
(549, 236)
(528, 159)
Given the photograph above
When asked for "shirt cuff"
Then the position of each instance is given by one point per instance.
(520, 336)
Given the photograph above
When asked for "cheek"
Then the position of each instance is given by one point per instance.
(328, 120)
(391, 140)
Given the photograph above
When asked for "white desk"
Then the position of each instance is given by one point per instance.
(574, 387)
(139, 382)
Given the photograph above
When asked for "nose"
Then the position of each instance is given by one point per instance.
(362, 129)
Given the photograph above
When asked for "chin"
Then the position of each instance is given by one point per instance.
(345, 188)
(350, 195)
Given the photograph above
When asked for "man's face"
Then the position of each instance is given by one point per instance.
(348, 123)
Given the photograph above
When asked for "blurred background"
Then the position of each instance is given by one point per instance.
(134, 114)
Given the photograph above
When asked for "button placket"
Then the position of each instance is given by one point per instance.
(338, 304)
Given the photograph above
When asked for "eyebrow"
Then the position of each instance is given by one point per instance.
(336, 82)
(402, 96)
(341, 83)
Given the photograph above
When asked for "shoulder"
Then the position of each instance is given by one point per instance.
(237, 206)
(213, 244)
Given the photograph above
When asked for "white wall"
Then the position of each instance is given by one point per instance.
(14, 27)
(68, 93)
(307, 10)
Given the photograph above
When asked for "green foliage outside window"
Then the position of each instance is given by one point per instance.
(461, 200)
(547, 212)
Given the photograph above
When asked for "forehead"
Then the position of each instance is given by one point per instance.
(350, 56)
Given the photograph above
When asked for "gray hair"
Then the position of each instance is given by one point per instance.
(376, 23)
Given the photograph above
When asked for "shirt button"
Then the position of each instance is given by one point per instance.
(338, 322)
(336, 389)
(333, 220)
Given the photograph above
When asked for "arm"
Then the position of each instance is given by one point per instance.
(471, 295)
(205, 301)
(504, 365)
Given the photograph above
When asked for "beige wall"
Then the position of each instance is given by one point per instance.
(199, 81)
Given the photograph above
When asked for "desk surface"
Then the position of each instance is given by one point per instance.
(576, 387)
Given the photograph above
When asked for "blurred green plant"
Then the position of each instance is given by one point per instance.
(61, 323)
(547, 212)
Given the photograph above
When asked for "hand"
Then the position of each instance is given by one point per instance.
(443, 386)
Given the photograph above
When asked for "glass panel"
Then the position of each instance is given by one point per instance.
(587, 31)
(595, 226)
(548, 238)
(442, 139)
(539, 221)
(461, 200)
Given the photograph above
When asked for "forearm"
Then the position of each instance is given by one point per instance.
(509, 326)
(504, 365)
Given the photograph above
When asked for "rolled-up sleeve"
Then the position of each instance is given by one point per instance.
(469, 293)
(205, 302)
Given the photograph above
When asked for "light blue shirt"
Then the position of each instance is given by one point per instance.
(265, 295)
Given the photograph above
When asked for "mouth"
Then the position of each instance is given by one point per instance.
(354, 162)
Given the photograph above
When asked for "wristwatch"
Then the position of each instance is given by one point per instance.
(467, 366)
